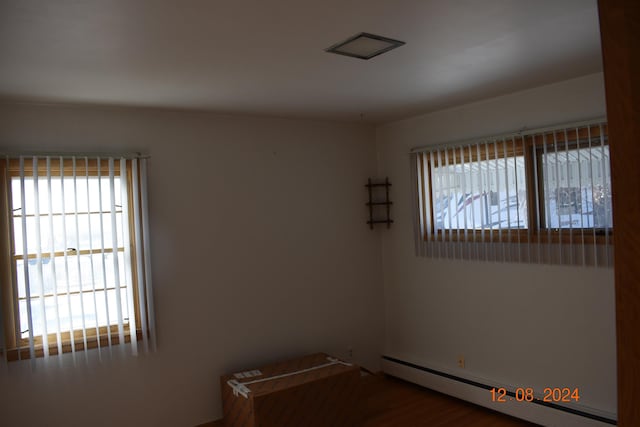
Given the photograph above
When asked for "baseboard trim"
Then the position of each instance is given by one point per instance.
(545, 413)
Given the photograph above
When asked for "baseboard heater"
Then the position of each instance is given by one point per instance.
(509, 392)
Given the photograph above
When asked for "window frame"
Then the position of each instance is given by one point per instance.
(17, 348)
(572, 143)
(532, 147)
(500, 150)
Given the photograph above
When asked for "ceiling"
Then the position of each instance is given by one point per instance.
(267, 56)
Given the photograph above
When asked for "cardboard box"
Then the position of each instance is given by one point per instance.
(310, 391)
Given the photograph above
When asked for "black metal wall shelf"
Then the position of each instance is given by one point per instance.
(379, 198)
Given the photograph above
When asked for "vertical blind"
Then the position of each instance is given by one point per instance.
(541, 196)
(78, 274)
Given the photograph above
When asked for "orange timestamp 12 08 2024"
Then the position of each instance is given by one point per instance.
(526, 394)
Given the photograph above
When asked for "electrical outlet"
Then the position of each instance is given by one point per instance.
(460, 361)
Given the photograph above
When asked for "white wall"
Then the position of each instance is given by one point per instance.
(259, 250)
(516, 324)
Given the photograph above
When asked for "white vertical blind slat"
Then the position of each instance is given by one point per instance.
(453, 247)
(593, 197)
(455, 199)
(52, 259)
(418, 218)
(465, 198)
(115, 253)
(427, 165)
(421, 245)
(25, 251)
(507, 255)
(473, 192)
(436, 247)
(557, 193)
(147, 252)
(493, 231)
(66, 256)
(93, 275)
(446, 194)
(76, 214)
(39, 270)
(486, 197)
(583, 201)
(515, 171)
(103, 257)
(534, 155)
(547, 199)
(440, 198)
(496, 176)
(135, 171)
(133, 324)
(483, 201)
(423, 218)
(425, 213)
(569, 188)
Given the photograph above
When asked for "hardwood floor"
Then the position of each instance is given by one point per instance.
(390, 402)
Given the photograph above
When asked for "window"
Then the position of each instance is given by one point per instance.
(477, 190)
(75, 266)
(582, 196)
(542, 196)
